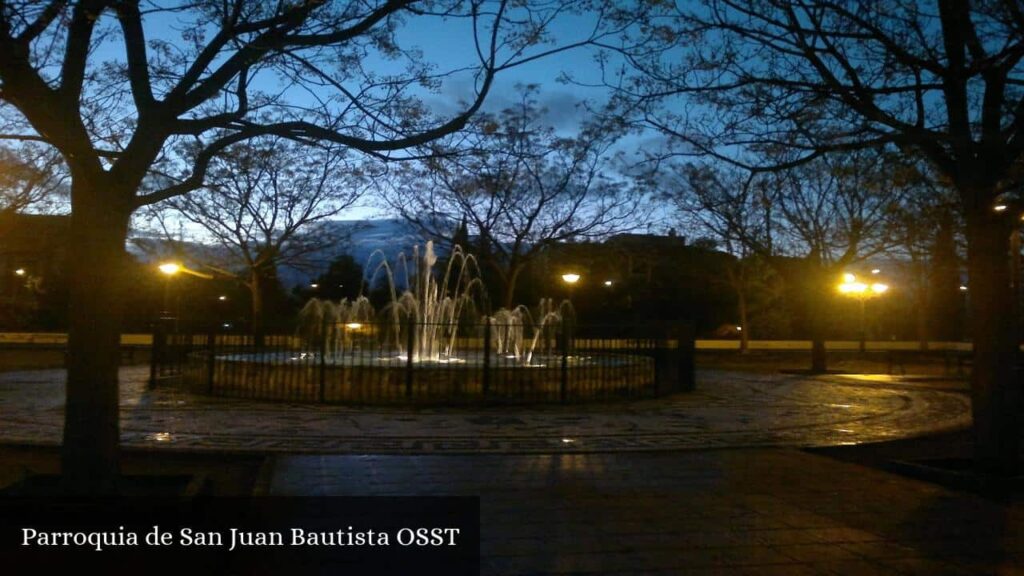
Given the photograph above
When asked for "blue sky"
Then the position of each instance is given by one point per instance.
(448, 44)
(445, 44)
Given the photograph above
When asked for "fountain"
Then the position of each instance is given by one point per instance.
(429, 343)
(432, 310)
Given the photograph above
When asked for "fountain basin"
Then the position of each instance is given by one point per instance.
(381, 378)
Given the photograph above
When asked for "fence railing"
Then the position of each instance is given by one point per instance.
(371, 363)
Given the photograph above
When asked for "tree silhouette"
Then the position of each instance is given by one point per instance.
(140, 98)
(32, 178)
(829, 214)
(264, 203)
(519, 187)
(942, 80)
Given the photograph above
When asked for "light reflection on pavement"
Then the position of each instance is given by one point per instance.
(729, 409)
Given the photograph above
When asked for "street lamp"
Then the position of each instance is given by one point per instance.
(169, 270)
(853, 288)
(1003, 205)
(24, 281)
(172, 268)
(569, 279)
(963, 313)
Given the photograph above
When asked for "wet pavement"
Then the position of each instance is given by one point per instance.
(694, 484)
(729, 409)
(740, 511)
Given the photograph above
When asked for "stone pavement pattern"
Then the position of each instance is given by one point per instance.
(728, 409)
(741, 512)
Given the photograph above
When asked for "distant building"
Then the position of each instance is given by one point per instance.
(642, 278)
(640, 255)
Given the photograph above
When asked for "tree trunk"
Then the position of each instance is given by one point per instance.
(819, 364)
(96, 257)
(995, 392)
(741, 304)
(256, 292)
(820, 292)
(738, 281)
(921, 322)
(920, 302)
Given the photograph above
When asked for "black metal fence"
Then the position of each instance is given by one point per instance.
(370, 363)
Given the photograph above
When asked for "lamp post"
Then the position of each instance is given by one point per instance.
(1013, 207)
(570, 279)
(223, 314)
(1015, 282)
(20, 284)
(963, 314)
(169, 270)
(851, 287)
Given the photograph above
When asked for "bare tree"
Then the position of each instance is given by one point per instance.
(518, 187)
(264, 203)
(942, 79)
(925, 235)
(738, 217)
(835, 212)
(32, 178)
(830, 213)
(119, 87)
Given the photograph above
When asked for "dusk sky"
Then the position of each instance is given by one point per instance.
(448, 45)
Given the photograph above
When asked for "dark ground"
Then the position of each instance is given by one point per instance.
(835, 511)
(229, 474)
(226, 474)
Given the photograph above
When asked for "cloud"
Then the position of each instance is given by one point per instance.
(564, 109)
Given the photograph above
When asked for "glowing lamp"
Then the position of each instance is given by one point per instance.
(853, 288)
(170, 268)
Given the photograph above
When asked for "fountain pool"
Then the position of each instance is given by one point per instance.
(430, 344)
(284, 375)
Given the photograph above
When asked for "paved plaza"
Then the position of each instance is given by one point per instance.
(737, 512)
(729, 409)
(702, 483)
